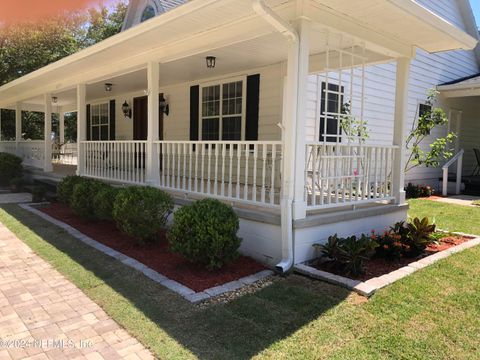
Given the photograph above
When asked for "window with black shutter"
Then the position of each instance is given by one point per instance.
(330, 129)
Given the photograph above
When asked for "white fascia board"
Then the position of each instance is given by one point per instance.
(464, 41)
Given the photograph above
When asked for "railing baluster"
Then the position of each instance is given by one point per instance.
(272, 179)
(264, 174)
(245, 188)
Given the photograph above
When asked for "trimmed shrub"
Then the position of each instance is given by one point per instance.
(206, 233)
(141, 212)
(10, 167)
(81, 201)
(418, 191)
(103, 202)
(65, 188)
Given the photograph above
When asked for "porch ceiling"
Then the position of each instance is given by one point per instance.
(240, 39)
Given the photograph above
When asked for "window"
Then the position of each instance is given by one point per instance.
(329, 124)
(99, 122)
(222, 111)
(148, 13)
(424, 109)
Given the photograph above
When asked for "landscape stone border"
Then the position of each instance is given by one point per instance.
(369, 287)
(184, 291)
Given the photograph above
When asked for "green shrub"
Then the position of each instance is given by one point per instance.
(38, 193)
(418, 191)
(206, 233)
(81, 201)
(65, 188)
(103, 202)
(10, 167)
(419, 235)
(16, 184)
(349, 253)
(142, 211)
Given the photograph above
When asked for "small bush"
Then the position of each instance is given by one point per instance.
(65, 188)
(103, 202)
(349, 253)
(10, 167)
(418, 191)
(82, 198)
(142, 211)
(419, 235)
(16, 184)
(38, 193)
(206, 233)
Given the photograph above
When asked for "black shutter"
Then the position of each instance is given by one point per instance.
(194, 113)
(112, 119)
(253, 99)
(332, 107)
(88, 123)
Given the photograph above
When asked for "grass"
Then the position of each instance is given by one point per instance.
(433, 314)
(448, 216)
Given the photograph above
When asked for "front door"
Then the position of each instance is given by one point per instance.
(140, 121)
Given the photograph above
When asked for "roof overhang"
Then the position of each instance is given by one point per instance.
(465, 88)
(184, 32)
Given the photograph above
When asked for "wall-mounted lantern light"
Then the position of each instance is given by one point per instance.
(54, 99)
(164, 107)
(108, 87)
(211, 61)
(127, 110)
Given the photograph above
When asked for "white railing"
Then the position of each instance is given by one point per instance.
(65, 154)
(347, 174)
(32, 152)
(122, 161)
(458, 181)
(8, 147)
(241, 171)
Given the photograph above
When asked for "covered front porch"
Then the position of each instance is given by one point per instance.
(157, 113)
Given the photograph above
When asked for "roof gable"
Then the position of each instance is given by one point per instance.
(138, 8)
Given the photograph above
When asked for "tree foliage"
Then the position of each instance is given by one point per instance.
(26, 47)
(440, 149)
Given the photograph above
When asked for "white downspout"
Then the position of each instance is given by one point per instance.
(288, 133)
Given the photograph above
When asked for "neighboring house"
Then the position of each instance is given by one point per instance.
(242, 101)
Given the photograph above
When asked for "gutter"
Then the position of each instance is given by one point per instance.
(286, 208)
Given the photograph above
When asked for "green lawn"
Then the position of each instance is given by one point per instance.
(433, 314)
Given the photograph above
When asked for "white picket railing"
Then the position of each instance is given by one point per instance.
(122, 161)
(65, 154)
(32, 152)
(9, 146)
(347, 174)
(458, 176)
(241, 171)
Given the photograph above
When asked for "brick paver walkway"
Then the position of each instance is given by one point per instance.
(44, 316)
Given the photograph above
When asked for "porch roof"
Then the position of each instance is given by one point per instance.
(200, 26)
(468, 86)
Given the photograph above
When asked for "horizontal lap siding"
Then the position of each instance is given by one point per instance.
(427, 71)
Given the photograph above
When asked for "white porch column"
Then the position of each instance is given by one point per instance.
(399, 137)
(299, 203)
(47, 160)
(18, 125)
(81, 126)
(61, 126)
(152, 162)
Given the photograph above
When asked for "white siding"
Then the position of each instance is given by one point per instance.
(427, 71)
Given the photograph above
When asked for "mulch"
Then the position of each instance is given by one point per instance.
(376, 267)
(157, 256)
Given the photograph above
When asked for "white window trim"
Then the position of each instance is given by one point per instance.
(221, 82)
(91, 122)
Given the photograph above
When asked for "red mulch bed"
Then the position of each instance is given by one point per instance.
(156, 256)
(376, 267)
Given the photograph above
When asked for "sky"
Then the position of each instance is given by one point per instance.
(28, 10)
(476, 10)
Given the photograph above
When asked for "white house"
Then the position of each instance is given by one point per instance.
(242, 100)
